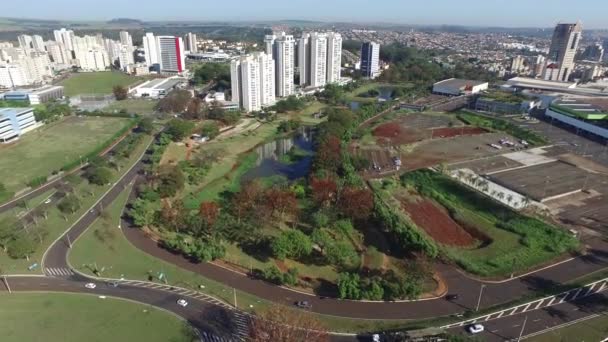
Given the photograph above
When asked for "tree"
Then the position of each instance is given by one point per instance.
(99, 175)
(246, 204)
(170, 179)
(324, 191)
(334, 94)
(356, 203)
(210, 130)
(291, 243)
(120, 92)
(329, 154)
(281, 324)
(208, 72)
(175, 102)
(349, 286)
(281, 202)
(143, 212)
(69, 204)
(146, 125)
(179, 129)
(209, 212)
(21, 247)
(193, 111)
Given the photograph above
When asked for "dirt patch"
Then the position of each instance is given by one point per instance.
(437, 223)
(450, 132)
(392, 133)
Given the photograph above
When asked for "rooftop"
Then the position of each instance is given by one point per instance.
(589, 108)
(459, 83)
(162, 83)
(10, 112)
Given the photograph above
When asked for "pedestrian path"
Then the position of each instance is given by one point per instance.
(58, 272)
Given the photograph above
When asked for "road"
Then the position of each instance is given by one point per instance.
(61, 278)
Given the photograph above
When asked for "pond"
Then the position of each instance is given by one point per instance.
(289, 157)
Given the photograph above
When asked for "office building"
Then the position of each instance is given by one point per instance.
(457, 87)
(594, 53)
(125, 38)
(171, 54)
(334, 57)
(15, 122)
(35, 96)
(252, 79)
(564, 45)
(282, 50)
(150, 49)
(191, 44)
(370, 59)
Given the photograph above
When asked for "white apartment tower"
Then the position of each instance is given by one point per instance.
(564, 45)
(58, 53)
(334, 57)
(252, 79)
(25, 41)
(125, 38)
(12, 75)
(150, 49)
(318, 60)
(282, 50)
(304, 59)
(190, 40)
(66, 37)
(171, 54)
(38, 43)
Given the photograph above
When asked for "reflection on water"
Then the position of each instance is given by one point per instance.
(269, 154)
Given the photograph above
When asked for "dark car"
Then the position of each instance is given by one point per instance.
(303, 304)
(451, 297)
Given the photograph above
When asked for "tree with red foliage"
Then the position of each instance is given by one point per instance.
(282, 324)
(323, 190)
(329, 154)
(209, 212)
(248, 202)
(281, 202)
(356, 203)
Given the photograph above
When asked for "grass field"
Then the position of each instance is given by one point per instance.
(594, 329)
(55, 317)
(96, 82)
(56, 222)
(515, 242)
(137, 106)
(47, 149)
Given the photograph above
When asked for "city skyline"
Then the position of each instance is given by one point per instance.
(518, 13)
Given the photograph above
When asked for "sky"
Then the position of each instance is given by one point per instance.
(504, 13)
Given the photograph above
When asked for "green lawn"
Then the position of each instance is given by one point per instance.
(47, 149)
(306, 114)
(96, 82)
(62, 317)
(137, 106)
(592, 330)
(56, 222)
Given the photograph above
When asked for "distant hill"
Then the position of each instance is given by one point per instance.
(125, 21)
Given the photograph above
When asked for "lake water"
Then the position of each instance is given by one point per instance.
(386, 94)
(269, 155)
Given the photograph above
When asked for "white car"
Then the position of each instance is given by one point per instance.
(182, 302)
(90, 285)
(48, 200)
(376, 337)
(475, 328)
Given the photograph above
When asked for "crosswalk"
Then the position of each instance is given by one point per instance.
(58, 272)
(567, 296)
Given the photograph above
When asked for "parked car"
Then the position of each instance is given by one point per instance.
(182, 302)
(90, 285)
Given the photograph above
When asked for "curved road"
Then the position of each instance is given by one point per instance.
(468, 289)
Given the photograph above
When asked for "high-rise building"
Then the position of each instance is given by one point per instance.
(38, 43)
(171, 54)
(150, 49)
(517, 64)
(25, 41)
(12, 75)
(334, 57)
(190, 40)
(282, 50)
(252, 79)
(303, 59)
(564, 44)
(318, 59)
(594, 52)
(57, 52)
(370, 59)
(89, 54)
(66, 37)
(125, 38)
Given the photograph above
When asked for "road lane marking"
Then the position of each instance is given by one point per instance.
(526, 308)
(551, 301)
(588, 291)
(576, 294)
(539, 304)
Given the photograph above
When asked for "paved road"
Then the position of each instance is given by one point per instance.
(214, 322)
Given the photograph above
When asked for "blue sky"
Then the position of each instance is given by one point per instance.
(513, 13)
